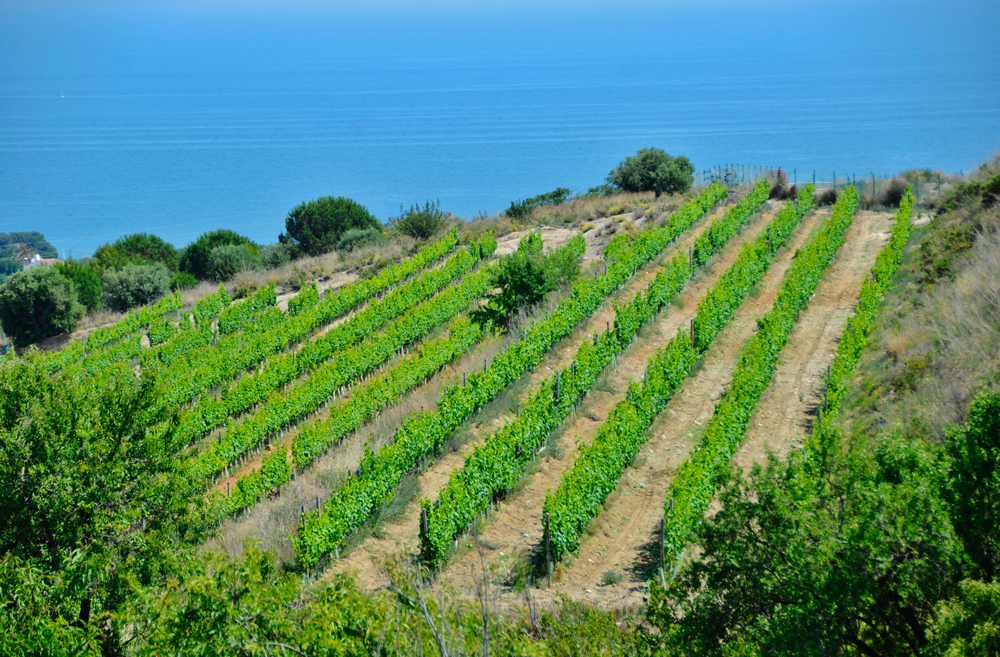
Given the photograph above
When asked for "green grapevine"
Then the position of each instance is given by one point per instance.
(499, 463)
(423, 433)
(695, 484)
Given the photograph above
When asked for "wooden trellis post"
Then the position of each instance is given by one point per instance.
(548, 550)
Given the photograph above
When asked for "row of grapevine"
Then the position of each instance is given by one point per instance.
(307, 297)
(134, 321)
(283, 408)
(191, 337)
(695, 484)
(499, 463)
(347, 415)
(854, 339)
(206, 368)
(237, 314)
(717, 307)
(208, 308)
(162, 330)
(597, 469)
(252, 389)
(720, 232)
(321, 531)
(101, 338)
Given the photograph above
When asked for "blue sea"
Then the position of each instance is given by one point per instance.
(119, 117)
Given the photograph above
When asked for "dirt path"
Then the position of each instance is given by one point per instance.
(625, 530)
(400, 536)
(788, 405)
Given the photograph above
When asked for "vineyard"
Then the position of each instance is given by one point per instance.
(383, 421)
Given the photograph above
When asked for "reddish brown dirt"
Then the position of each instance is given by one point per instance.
(400, 536)
(786, 409)
(622, 532)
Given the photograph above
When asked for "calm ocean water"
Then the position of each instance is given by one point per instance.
(179, 123)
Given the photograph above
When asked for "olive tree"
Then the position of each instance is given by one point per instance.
(36, 304)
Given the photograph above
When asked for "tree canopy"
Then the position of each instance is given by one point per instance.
(90, 495)
(38, 303)
(317, 226)
(652, 170)
(138, 248)
(195, 258)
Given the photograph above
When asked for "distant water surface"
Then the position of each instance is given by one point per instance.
(175, 124)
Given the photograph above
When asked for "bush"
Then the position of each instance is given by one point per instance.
(892, 193)
(827, 197)
(520, 210)
(276, 255)
(357, 238)
(195, 258)
(138, 248)
(991, 192)
(230, 259)
(557, 196)
(652, 170)
(421, 222)
(86, 281)
(135, 285)
(317, 226)
(603, 189)
(183, 281)
(36, 304)
(525, 277)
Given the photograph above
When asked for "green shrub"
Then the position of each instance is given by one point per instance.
(357, 238)
(604, 189)
(195, 258)
(183, 281)
(275, 255)
(421, 222)
(138, 248)
(36, 304)
(135, 285)
(555, 197)
(86, 281)
(524, 277)
(652, 170)
(991, 192)
(317, 226)
(519, 210)
(226, 261)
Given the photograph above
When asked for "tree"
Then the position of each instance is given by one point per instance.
(92, 499)
(524, 278)
(316, 227)
(135, 285)
(230, 259)
(195, 257)
(968, 625)
(673, 177)
(421, 222)
(86, 282)
(25, 244)
(974, 493)
(36, 304)
(652, 170)
(138, 248)
(846, 554)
